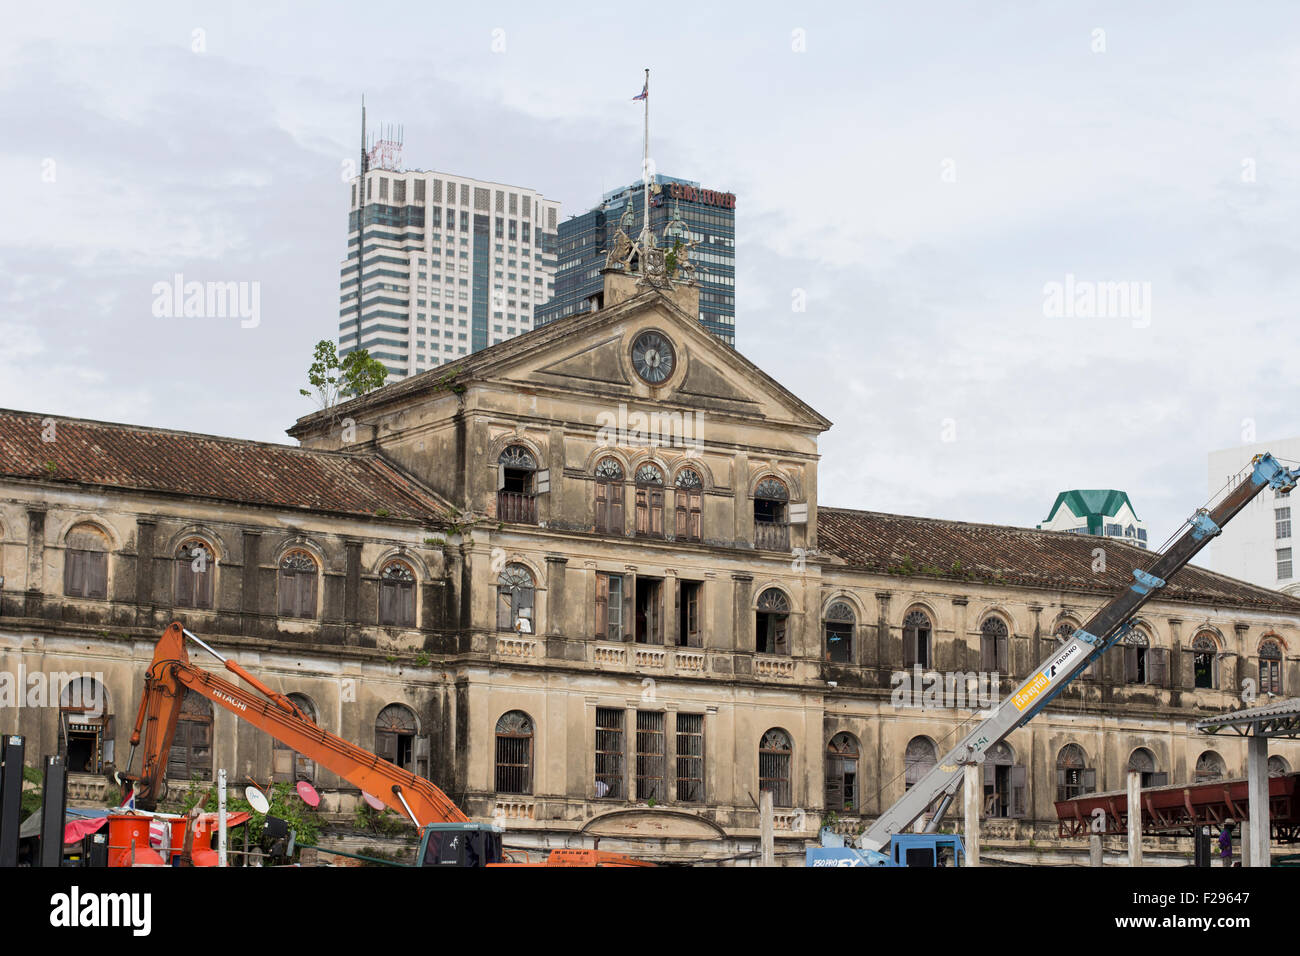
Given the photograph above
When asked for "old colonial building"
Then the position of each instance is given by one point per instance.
(583, 581)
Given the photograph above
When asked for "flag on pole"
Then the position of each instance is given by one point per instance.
(645, 92)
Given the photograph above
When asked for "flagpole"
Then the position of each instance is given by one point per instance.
(645, 160)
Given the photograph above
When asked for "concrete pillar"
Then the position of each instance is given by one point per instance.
(1245, 843)
(972, 789)
(767, 825)
(1094, 849)
(1134, 819)
(1257, 800)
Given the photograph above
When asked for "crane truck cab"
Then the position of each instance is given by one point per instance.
(460, 844)
(905, 849)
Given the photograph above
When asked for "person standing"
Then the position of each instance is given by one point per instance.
(1225, 842)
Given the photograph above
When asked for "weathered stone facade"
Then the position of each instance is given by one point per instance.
(497, 464)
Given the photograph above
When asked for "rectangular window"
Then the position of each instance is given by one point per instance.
(649, 611)
(85, 574)
(1283, 519)
(650, 510)
(609, 752)
(609, 606)
(650, 756)
(1283, 564)
(690, 758)
(688, 614)
(688, 514)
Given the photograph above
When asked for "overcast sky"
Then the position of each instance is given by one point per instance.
(920, 172)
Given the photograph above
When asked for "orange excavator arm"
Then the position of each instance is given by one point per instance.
(171, 674)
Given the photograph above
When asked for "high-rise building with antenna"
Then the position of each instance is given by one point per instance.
(447, 264)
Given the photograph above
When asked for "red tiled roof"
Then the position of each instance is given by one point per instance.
(929, 547)
(107, 455)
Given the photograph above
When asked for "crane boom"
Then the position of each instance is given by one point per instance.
(1087, 644)
(171, 673)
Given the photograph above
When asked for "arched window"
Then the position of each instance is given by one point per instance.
(287, 765)
(771, 515)
(85, 562)
(1270, 667)
(396, 595)
(514, 768)
(517, 485)
(650, 501)
(839, 633)
(842, 773)
(515, 599)
(1074, 777)
(298, 574)
(1064, 633)
(191, 753)
(609, 497)
(993, 646)
(771, 623)
(1278, 767)
(918, 759)
(1210, 767)
(396, 740)
(195, 571)
(1005, 783)
(774, 751)
(690, 491)
(917, 634)
(85, 724)
(1144, 664)
(1143, 761)
(1205, 668)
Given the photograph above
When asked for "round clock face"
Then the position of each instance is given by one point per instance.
(653, 357)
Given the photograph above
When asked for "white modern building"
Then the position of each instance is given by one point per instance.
(1100, 511)
(449, 266)
(1258, 545)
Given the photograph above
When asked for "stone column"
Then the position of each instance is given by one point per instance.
(1094, 849)
(972, 789)
(742, 623)
(1134, 818)
(555, 575)
(35, 561)
(1257, 797)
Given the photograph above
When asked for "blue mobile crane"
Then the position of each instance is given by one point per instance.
(1086, 645)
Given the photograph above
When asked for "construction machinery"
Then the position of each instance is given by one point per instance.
(447, 836)
(1087, 644)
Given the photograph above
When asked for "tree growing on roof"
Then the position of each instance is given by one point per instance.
(334, 380)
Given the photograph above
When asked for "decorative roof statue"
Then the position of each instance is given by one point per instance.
(677, 237)
(622, 248)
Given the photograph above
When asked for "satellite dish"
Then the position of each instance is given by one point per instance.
(257, 799)
(375, 802)
(308, 793)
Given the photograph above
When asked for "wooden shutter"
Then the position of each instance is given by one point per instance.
(184, 581)
(780, 623)
(73, 575)
(656, 511)
(543, 482)
(642, 511)
(406, 593)
(1130, 665)
(1089, 781)
(657, 606)
(386, 745)
(681, 524)
(988, 654)
(1158, 780)
(1003, 649)
(909, 646)
(602, 506)
(617, 525)
(1018, 792)
(799, 513)
(1158, 666)
(308, 594)
(387, 600)
(834, 784)
(287, 588)
(602, 605)
(203, 584)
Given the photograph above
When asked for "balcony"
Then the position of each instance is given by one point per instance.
(516, 507)
(772, 535)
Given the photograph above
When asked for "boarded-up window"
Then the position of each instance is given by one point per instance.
(651, 756)
(774, 751)
(689, 494)
(85, 563)
(609, 497)
(842, 773)
(191, 753)
(397, 596)
(650, 501)
(918, 759)
(514, 769)
(993, 646)
(298, 574)
(609, 752)
(195, 570)
(690, 758)
(1074, 777)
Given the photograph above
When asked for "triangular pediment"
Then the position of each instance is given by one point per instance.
(601, 361)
